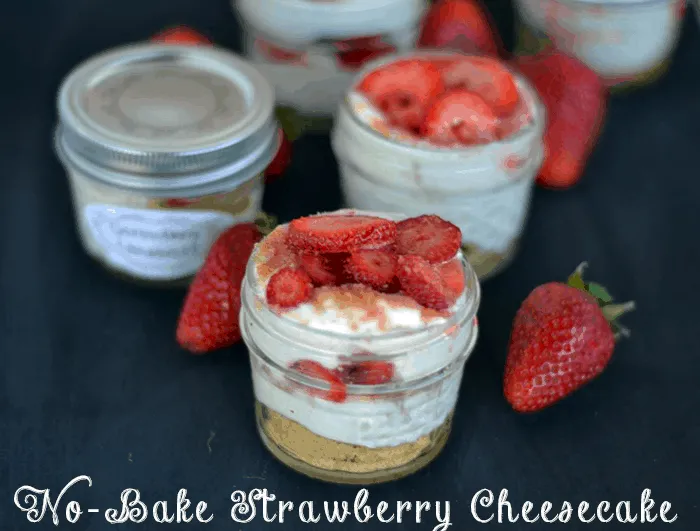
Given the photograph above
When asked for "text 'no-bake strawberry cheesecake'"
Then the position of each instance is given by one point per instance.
(358, 326)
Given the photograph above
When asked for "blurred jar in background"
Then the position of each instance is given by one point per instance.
(627, 42)
(483, 187)
(165, 147)
(309, 50)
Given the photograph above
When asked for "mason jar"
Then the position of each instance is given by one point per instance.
(485, 190)
(626, 42)
(164, 147)
(309, 50)
(355, 434)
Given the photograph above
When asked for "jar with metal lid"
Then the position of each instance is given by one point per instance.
(309, 49)
(626, 42)
(164, 147)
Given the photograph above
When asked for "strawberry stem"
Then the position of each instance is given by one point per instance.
(266, 223)
(612, 311)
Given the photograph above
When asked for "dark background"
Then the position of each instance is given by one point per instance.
(93, 382)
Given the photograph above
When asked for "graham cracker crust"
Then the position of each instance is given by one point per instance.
(337, 462)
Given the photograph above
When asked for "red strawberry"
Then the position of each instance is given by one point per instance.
(460, 116)
(282, 159)
(563, 336)
(452, 274)
(486, 77)
(175, 202)
(575, 99)
(209, 317)
(180, 35)
(325, 269)
(280, 55)
(368, 372)
(313, 369)
(354, 53)
(423, 283)
(359, 43)
(429, 237)
(289, 287)
(339, 233)
(462, 25)
(372, 268)
(403, 89)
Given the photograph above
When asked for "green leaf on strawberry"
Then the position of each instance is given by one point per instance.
(612, 312)
(599, 292)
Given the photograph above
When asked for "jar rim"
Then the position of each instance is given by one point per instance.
(213, 180)
(536, 126)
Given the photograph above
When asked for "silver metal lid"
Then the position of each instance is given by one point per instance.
(163, 110)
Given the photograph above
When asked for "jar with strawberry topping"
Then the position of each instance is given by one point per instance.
(626, 42)
(358, 340)
(310, 49)
(456, 135)
(165, 147)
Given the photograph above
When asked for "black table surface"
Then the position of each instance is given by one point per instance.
(94, 384)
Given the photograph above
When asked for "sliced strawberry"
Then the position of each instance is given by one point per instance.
(402, 90)
(460, 116)
(452, 274)
(462, 25)
(280, 55)
(180, 35)
(518, 119)
(429, 237)
(371, 42)
(282, 159)
(339, 233)
(372, 268)
(289, 287)
(313, 369)
(369, 372)
(423, 283)
(325, 269)
(486, 77)
(355, 59)
(175, 202)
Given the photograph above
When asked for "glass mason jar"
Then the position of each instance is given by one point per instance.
(309, 50)
(164, 147)
(626, 42)
(357, 434)
(485, 189)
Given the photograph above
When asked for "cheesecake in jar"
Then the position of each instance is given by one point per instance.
(626, 42)
(164, 148)
(309, 50)
(456, 135)
(358, 326)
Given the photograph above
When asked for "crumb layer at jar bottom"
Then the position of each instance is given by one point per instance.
(337, 462)
(529, 42)
(487, 264)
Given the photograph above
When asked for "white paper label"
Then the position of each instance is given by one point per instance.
(156, 244)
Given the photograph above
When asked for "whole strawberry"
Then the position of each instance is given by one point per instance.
(209, 317)
(575, 101)
(462, 25)
(180, 35)
(563, 336)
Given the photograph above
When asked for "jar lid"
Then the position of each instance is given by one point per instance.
(162, 109)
